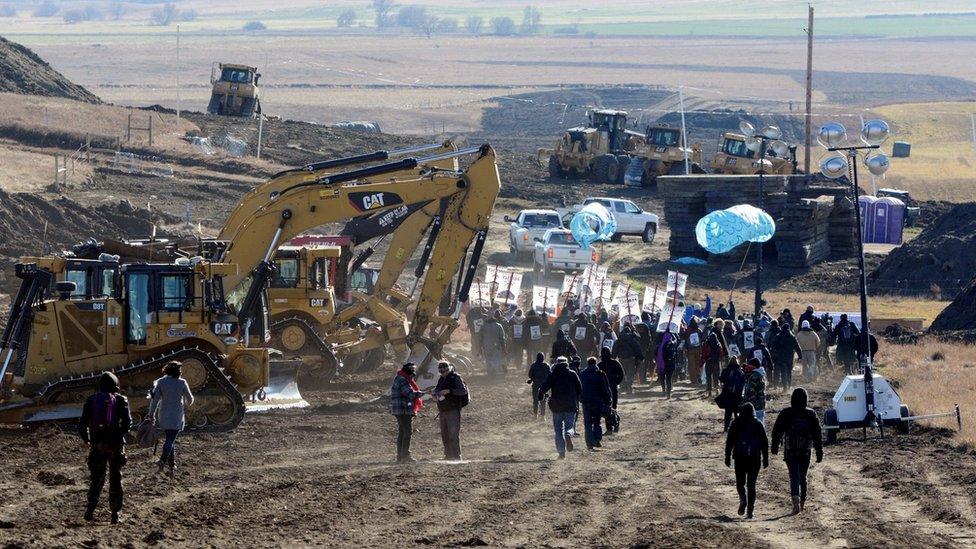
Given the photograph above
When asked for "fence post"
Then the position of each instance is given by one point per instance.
(260, 132)
(128, 129)
(150, 129)
(55, 168)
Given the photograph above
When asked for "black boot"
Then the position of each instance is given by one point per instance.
(116, 519)
(90, 512)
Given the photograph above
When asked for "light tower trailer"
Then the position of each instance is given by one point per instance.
(851, 407)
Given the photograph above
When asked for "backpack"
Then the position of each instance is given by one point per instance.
(744, 446)
(670, 353)
(103, 412)
(798, 437)
(846, 334)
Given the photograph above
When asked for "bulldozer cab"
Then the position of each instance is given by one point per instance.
(662, 136)
(235, 90)
(735, 145)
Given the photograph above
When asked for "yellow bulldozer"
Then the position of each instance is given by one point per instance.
(235, 90)
(213, 313)
(662, 153)
(599, 150)
(735, 157)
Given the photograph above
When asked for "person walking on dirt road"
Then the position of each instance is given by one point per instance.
(846, 335)
(170, 397)
(748, 445)
(494, 344)
(566, 390)
(733, 381)
(452, 395)
(584, 335)
(596, 399)
(666, 361)
(754, 390)
(562, 346)
(693, 338)
(716, 353)
(809, 343)
(783, 347)
(798, 429)
(105, 420)
(615, 376)
(405, 402)
(538, 372)
(627, 349)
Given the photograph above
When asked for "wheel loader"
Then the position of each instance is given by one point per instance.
(661, 153)
(599, 150)
(735, 158)
(181, 311)
(235, 90)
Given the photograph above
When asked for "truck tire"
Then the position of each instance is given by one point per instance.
(648, 235)
(555, 170)
(605, 169)
(623, 162)
(649, 179)
(830, 420)
(616, 237)
(903, 425)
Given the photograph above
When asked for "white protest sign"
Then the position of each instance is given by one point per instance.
(480, 295)
(545, 299)
(676, 284)
(654, 299)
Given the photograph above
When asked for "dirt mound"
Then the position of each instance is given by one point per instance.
(23, 71)
(33, 224)
(942, 259)
(960, 314)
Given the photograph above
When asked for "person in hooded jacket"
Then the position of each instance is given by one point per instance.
(783, 347)
(667, 359)
(607, 336)
(596, 399)
(105, 420)
(644, 331)
(717, 354)
(516, 337)
(405, 401)
(538, 372)
(733, 381)
(494, 343)
(748, 445)
(584, 335)
(615, 376)
(565, 318)
(798, 429)
(788, 320)
(452, 395)
(533, 332)
(692, 341)
(475, 319)
(562, 347)
(566, 389)
(754, 390)
(627, 350)
(846, 335)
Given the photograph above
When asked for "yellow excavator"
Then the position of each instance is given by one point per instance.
(209, 311)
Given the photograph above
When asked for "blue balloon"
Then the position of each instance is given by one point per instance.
(722, 230)
(592, 223)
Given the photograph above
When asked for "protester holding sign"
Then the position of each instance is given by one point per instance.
(693, 338)
(585, 336)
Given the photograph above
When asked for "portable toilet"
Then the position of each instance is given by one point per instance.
(901, 149)
(866, 203)
(889, 220)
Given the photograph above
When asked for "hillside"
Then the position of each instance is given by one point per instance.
(23, 71)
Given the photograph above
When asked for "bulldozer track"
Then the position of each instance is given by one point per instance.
(214, 373)
(310, 333)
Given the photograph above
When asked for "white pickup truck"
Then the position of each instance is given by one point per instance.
(527, 226)
(558, 250)
(631, 219)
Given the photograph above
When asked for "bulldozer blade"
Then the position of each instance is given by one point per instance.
(282, 390)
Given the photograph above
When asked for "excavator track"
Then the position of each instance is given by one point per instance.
(313, 342)
(309, 376)
(225, 416)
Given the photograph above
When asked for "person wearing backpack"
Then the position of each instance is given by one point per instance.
(667, 359)
(754, 390)
(693, 339)
(715, 354)
(627, 350)
(595, 397)
(615, 375)
(846, 334)
(733, 381)
(798, 429)
(585, 336)
(748, 445)
(452, 395)
(170, 397)
(538, 372)
(105, 420)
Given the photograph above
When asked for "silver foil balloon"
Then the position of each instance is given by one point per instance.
(877, 163)
(875, 132)
(834, 166)
(832, 134)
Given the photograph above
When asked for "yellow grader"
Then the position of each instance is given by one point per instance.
(599, 150)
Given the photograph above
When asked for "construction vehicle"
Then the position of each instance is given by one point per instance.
(662, 153)
(58, 348)
(235, 90)
(734, 157)
(599, 150)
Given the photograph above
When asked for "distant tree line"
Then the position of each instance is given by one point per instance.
(389, 14)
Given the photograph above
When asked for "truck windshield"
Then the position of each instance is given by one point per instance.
(561, 238)
(539, 220)
(662, 137)
(736, 147)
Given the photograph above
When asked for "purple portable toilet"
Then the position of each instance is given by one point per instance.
(889, 220)
(867, 205)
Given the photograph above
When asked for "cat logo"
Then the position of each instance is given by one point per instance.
(224, 328)
(316, 302)
(364, 202)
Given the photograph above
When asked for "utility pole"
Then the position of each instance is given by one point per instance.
(177, 77)
(809, 114)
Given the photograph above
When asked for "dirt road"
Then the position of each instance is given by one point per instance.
(325, 476)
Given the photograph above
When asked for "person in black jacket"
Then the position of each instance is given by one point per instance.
(733, 381)
(615, 376)
(538, 372)
(562, 346)
(584, 335)
(798, 428)
(627, 349)
(452, 395)
(748, 445)
(566, 389)
(783, 347)
(105, 420)
(596, 399)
